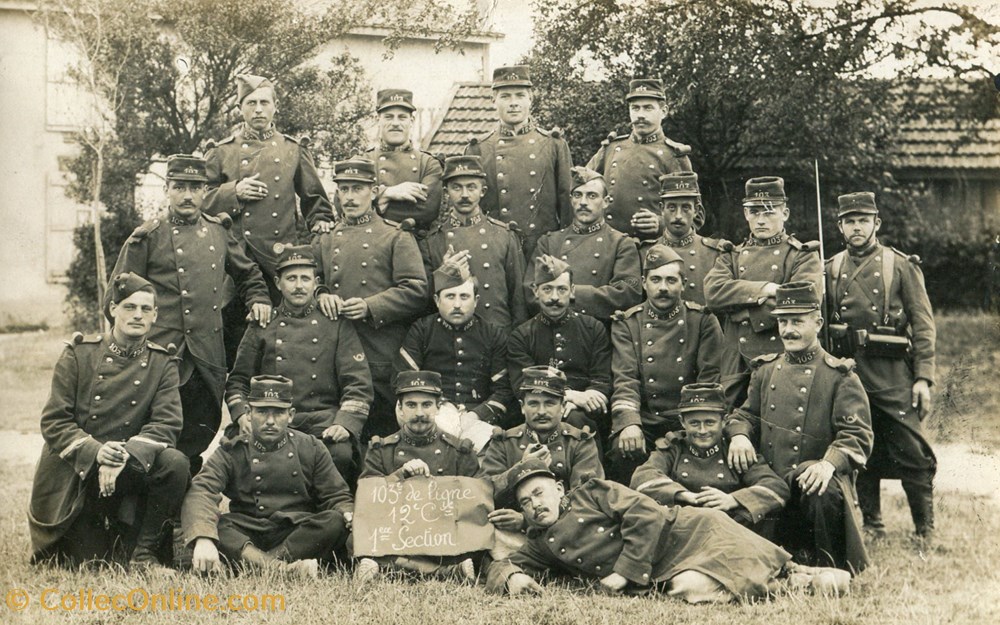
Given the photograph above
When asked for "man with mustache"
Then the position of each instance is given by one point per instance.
(373, 276)
(409, 179)
(689, 468)
(633, 162)
(527, 167)
(878, 289)
(289, 509)
(187, 257)
(629, 544)
(808, 414)
(657, 348)
(683, 213)
(605, 261)
(469, 352)
(419, 449)
(574, 343)
(110, 427)
(483, 245)
(740, 287)
(570, 453)
(323, 357)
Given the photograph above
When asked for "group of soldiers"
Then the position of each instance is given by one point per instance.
(503, 315)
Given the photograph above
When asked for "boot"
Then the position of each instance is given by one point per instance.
(920, 496)
(262, 560)
(870, 500)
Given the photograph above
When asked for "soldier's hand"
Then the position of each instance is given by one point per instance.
(645, 221)
(687, 498)
(710, 497)
(406, 192)
(205, 558)
(107, 476)
(459, 259)
(244, 423)
(112, 454)
(330, 305)
(416, 467)
(354, 308)
(506, 519)
(770, 290)
(322, 227)
(921, 398)
(816, 477)
(336, 433)
(261, 313)
(742, 455)
(523, 584)
(251, 189)
(537, 452)
(613, 583)
(594, 401)
(631, 441)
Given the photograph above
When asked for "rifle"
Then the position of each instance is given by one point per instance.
(824, 306)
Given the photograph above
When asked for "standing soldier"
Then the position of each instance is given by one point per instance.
(632, 163)
(809, 417)
(187, 258)
(374, 277)
(323, 357)
(605, 262)
(741, 286)
(527, 167)
(409, 179)
(486, 246)
(879, 290)
(683, 213)
(657, 348)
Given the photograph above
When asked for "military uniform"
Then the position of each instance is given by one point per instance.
(676, 467)
(325, 360)
(371, 259)
(472, 361)
(443, 453)
(605, 528)
(699, 254)
(605, 265)
(100, 393)
(407, 164)
(187, 263)
(497, 263)
(292, 497)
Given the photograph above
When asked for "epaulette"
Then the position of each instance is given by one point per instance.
(759, 361)
(497, 434)
(170, 349)
(694, 306)
(807, 246)
(555, 133)
(502, 224)
(223, 219)
(80, 337)
(843, 365)
(913, 258)
(720, 245)
(463, 445)
(516, 432)
(631, 312)
(662, 444)
(577, 433)
(303, 141)
(228, 139)
(210, 145)
(407, 225)
(143, 230)
(614, 135)
(681, 149)
(434, 156)
(474, 139)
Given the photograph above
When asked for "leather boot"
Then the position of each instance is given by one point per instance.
(870, 500)
(920, 496)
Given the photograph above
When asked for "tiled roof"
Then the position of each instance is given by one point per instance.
(927, 145)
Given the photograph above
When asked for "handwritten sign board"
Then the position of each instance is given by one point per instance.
(428, 516)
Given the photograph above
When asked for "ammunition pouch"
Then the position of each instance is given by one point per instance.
(844, 341)
(885, 342)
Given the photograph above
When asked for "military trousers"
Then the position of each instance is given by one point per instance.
(315, 536)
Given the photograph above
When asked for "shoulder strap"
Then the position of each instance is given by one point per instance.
(888, 267)
(836, 264)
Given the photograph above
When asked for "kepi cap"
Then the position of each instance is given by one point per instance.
(709, 397)
(512, 76)
(794, 298)
(862, 202)
(679, 184)
(270, 390)
(186, 167)
(530, 469)
(293, 256)
(418, 382)
(764, 190)
(354, 169)
(466, 165)
(388, 98)
(645, 88)
(542, 379)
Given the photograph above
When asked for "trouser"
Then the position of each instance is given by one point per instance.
(619, 467)
(314, 537)
(813, 527)
(202, 417)
(137, 516)
(382, 418)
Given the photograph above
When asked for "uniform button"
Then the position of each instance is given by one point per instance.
(294, 473)
(801, 409)
(803, 389)
(260, 507)
(580, 521)
(772, 407)
(97, 398)
(795, 447)
(795, 466)
(650, 359)
(552, 539)
(93, 418)
(258, 478)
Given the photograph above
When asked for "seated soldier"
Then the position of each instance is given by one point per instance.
(571, 454)
(419, 448)
(689, 467)
(110, 426)
(628, 542)
(288, 505)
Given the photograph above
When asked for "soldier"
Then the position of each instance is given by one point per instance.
(603, 530)
(419, 448)
(605, 261)
(879, 290)
(289, 508)
(110, 426)
(576, 344)
(484, 244)
(571, 454)
(809, 417)
(632, 163)
(468, 352)
(374, 277)
(689, 468)
(527, 167)
(657, 348)
(409, 179)
(187, 257)
(742, 284)
(323, 357)
(683, 213)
